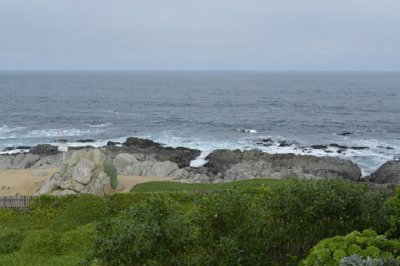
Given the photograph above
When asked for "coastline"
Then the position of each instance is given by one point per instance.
(154, 161)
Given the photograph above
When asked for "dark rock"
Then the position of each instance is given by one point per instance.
(254, 163)
(140, 143)
(338, 146)
(345, 133)
(62, 140)
(267, 140)
(23, 147)
(388, 173)
(44, 150)
(180, 155)
(387, 147)
(9, 149)
(359, 147)
(86, 140)
(319, 147)
(340, 150)
(285, 144)
(112, 143)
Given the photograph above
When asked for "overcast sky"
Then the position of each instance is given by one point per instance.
(202, 34)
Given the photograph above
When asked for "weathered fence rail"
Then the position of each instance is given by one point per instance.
(21, 202)
(16, 202)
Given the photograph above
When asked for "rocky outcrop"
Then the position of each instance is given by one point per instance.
(227, 165)
(82, 174)
(18, 161)
(127, 164)
(388, 173)
(180, 155)
(44, 150)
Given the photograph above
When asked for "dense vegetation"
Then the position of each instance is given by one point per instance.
(253, 222)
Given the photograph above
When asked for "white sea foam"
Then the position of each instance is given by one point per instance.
(57, 132)
(99, 125)
(247, 130)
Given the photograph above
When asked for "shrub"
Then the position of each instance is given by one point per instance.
(232, 229)
(10, 240)
(393, 208)
(330, 251)
(84, 209)
(40, 242)
(111, 171)
(78, 240)
(304, 212)
(119, 202)
(152, 231)
(355, 260)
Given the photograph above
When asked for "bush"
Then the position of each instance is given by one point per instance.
(152, 231)
(330, 251)
(304, 212)
(355, 260)
(10, 240)
(393, 209)
(111, 171)
(84, 209)
(231, 229)
(119, 202)
(78, 240)
(40, 242)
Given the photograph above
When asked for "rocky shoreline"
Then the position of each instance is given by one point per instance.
(143, 157)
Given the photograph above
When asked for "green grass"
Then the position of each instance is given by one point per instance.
(165, 186)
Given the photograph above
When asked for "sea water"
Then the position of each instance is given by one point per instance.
(277, 112)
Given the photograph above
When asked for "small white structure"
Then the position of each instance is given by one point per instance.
(63, 147)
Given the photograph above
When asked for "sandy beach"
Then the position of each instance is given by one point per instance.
(26, 181)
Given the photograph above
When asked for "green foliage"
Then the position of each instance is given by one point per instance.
(393, 208)
(10, 240)
(78, 240)
(84, 209)
(159, 186)
(110, 170)
(152, 231)
(41, 242)
(277, 225)
(355, 260)
(118, 202)
(49, 201)
(330, 251)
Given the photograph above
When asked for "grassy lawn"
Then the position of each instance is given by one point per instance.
(178, 186)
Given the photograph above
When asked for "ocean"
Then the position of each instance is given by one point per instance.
(277, 112)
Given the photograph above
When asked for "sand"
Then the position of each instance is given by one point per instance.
(26, 181)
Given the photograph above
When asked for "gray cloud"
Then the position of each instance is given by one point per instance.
(206, 34)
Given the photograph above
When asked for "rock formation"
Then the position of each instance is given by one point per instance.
(388, 173)
(228, 165)
(82, 174)
(127, 164)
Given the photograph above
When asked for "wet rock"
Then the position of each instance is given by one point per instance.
(337, 146)
(359, 147)
(86, 140)
(44, 150)
(140, 143)
(9, 149)
(345, 133)
(24, 147)
(319, 147)
(112, 143)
